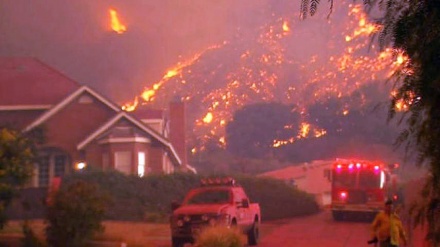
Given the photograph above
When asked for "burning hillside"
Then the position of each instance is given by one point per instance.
(221, 55)
(270, 66)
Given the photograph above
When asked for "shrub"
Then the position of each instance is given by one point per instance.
(277, 199)
(75, 214)
(149, 198)
(219, 237)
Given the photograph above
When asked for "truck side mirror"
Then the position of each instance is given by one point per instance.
(175, 205)
(245, 203)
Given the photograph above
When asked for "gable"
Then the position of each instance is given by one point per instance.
(72, 122)
(137, 128)
(84, 96)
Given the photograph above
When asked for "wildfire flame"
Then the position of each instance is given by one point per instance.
(148, 94)
(115, 24)
(259, 71)
(286, 27)
(304, 130)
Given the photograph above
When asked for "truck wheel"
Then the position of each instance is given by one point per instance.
(337, 215)
(177, 242)
(253, 234)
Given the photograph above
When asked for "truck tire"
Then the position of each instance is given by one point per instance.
(338, 215)
(253, 234)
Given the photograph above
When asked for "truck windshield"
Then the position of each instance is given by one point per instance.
(369, 179)
(365, 179)
(210, 197)
(344, 179)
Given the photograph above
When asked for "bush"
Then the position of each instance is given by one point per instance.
(149, 198)
(219, 237)
(75, 214)
(277, 199)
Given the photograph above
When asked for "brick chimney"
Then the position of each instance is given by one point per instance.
(178, 129)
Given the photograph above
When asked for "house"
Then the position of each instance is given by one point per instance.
(82, 127)
(309, 177)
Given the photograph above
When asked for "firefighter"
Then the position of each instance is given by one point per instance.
(387, 229)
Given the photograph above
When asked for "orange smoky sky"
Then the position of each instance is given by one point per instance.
(74, 37)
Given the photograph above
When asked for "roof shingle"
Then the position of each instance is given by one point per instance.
(27, 81)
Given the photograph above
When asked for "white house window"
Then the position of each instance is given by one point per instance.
(60, 165)
(141, 164)
(123, 161)
(43, 172)
(50, 165)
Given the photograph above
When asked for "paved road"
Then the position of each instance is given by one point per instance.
(318, 230)
(322, 230)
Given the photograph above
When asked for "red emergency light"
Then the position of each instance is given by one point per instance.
(343, 195)
(351, 166)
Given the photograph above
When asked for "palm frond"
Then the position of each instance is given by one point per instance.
(331, 8)
(304, 9)
(314, 7)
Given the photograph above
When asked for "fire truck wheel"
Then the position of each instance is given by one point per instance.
(338, 215)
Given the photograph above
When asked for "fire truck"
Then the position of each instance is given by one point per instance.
(360, 188)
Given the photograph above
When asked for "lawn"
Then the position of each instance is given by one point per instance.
(134, 234)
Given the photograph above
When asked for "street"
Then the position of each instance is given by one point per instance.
(322, 230)
(318, 230)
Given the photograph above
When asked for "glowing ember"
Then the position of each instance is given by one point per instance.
(320, 132)
(115, 23)
(131, 106)
(208, 118)
(286, 27)
(304, 130)
(363, 28)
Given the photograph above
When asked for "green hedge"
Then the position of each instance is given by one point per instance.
(277, 199)
(149, 198)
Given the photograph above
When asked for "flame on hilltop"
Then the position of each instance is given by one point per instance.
(148, 94)
(115, 24)
(223, 78)
(286, 27)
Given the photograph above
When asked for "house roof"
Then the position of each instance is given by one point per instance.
(27, 83)
(41, 119)
(139, 124)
